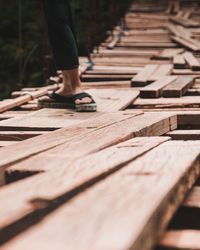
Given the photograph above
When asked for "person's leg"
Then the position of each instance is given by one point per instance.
(64, 46)
(177, 6)
(170, 7)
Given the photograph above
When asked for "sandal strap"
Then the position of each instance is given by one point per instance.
(60, 98)
(82, 95)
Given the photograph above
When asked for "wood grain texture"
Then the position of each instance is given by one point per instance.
(120, 212)
(179, 61)
(179, 87)
(142, 77)
(154, 90)
(142, 125)
(111, 100)
(47, 119)
(90, 169)
(181, 240)
(162, 102)
(192, 61)
(33, 146)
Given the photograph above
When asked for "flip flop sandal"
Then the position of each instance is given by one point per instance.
(58, 101)
(84, 107)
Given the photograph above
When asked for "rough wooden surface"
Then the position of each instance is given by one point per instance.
(181, 240)
(100, 224)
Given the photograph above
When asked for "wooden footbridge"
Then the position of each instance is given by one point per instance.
(125, 177)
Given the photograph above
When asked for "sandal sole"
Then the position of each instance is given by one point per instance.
(55, 105)
(86, 107)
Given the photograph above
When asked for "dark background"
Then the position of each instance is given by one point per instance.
(24, 51)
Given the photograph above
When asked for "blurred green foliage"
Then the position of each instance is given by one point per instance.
(32, 56)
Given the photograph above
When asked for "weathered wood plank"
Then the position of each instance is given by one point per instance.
(179, 61)
(46, 119)
(181, 239)
(186, 43)
(112, 100)
(94, 167)
(162, 70)
(162, 102)
(184, 134)
(192, 61)
(142, 77)
(129, 221)
(33, 146)
(142, 125)
(154, 90)
(179, 87)
(108, 100)
(18, 135)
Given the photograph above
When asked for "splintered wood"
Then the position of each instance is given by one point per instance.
(112, 179)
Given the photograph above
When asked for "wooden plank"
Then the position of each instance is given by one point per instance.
(46, 119)
(148, 45)
(130, 222)
(179, 61)
(142, 77)
(195, 74)
(184, 134)
(19, 135)
(154, 90)
(106, 84)
(162, 70)
(179, 87)
(115, 69)
(123, 53)
(168, 53)
(33, 146)
(93, 167)
(113, 77)
(108, 100)
(181, 239)
(12, 103)
(186, 43)
(184, 22)
(163, 102)
(112, 100)
(142, 125)
(192, 61)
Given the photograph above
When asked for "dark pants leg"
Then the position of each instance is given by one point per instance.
(61, 33)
